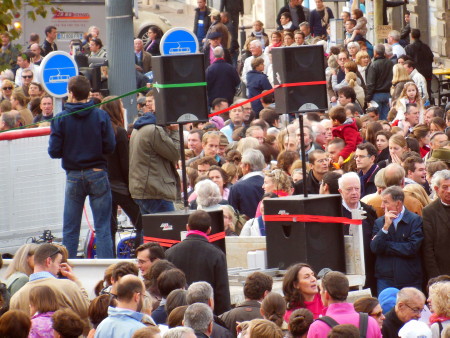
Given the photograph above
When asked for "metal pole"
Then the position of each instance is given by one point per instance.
(122, 72)
(183, 167)
(302, 150)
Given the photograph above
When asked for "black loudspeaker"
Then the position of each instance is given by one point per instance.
(165, 227)
(299, 65)
(184, 103)
(321, 245)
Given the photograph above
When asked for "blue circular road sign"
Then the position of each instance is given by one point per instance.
(178, 41)
(56, 70)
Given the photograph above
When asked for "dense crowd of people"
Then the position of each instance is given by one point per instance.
(383, 145)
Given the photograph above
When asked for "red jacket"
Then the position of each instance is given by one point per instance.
(348, 131)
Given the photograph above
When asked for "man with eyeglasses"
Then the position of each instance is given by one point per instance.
(397, 240)
(319, 162)
(365, 156)
(409, 305)
(27, 78)
(147, 254)
(69, 290)
(124, 319)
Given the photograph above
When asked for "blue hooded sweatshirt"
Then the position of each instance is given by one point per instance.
(81, 140)
(147, 118)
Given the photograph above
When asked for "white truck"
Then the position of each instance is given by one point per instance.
(73, 18)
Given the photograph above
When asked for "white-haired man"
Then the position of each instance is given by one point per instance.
(350, 190)
(436, 227)
(256, 48)
(248, 192)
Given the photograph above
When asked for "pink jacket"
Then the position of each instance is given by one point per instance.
(41, 325)
(343, 313)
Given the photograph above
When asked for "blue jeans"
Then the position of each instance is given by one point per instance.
(150, 206)
(387, 283)
(95, 184)
(383, 104)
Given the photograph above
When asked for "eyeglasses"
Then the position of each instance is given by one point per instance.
(377, 314)
(55, 253)
(141, 262)
(418, 311)
(324, 160)
(27, 76)
(7, 88)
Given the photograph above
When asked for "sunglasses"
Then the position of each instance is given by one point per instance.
(377, 314)
(55, 253)
(27, 76)
(7, 88)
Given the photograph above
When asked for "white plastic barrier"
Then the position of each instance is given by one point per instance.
(31, 188)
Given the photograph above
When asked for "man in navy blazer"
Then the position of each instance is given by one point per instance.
(221, 78)
(248, 192)
(396, 243)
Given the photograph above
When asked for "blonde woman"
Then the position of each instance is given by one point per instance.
(21, 267)
(400, 76)
(363, 62)
(352, 81)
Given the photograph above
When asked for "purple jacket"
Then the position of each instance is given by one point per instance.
(343, 313)
(41, 325)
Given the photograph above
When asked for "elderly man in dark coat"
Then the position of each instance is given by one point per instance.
(221, 78)
(436, 228)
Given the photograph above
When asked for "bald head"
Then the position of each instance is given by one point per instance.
(394, 175)
(128, 286)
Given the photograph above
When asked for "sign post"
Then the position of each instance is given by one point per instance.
(180, 41)
(56, 70)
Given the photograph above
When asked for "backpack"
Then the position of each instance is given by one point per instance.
(363, 323)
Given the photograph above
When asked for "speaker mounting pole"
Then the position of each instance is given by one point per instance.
(183, 167)
(302, 150)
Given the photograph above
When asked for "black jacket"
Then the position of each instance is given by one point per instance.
(48, 47)
(422, 57)
(369, 257)
(118, 163)
(369, 183)
(379, 77)
(203, 261)
(232, 6)
(312, 185)
(206, 20)
(398, 254)
(391, 325)
(222, 80)
(300, 13)
(436, 228)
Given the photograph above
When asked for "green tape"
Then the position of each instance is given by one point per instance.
(179, 85)
(75, 112)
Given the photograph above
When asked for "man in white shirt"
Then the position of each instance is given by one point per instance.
(418, 79)
(394, 41)
(256, 49)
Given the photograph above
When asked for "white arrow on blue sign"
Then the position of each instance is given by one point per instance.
(178, 41)
(56, 70)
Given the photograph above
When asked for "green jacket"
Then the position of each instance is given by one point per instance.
(154, 151)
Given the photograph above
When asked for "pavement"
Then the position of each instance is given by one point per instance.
(178, 13)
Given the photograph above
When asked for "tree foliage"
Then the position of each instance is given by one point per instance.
(10, 11)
